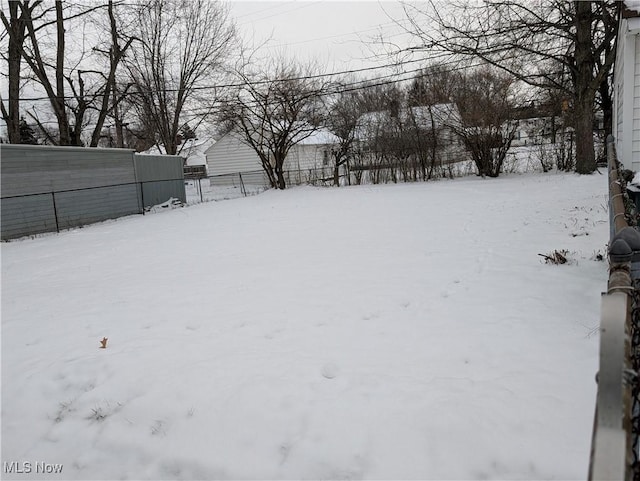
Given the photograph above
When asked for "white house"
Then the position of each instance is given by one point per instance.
(310, 159)
(626, 92)
(307, 160)
(440, 119)
(535, 130)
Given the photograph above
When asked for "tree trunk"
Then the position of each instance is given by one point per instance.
(281, 184)
(584, 91)
(171, 147)
(59, 107)
(118, 121)
(16, 39)
(607, 107)
(585, 154)
(115, 55)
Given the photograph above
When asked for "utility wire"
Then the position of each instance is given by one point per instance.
(318, 76)
(264, 82)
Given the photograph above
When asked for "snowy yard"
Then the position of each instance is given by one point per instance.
(378, 332)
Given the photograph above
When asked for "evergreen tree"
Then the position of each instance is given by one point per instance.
(27, 134)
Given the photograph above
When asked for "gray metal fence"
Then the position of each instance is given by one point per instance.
(46, 188)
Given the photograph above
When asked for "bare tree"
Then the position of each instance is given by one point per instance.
(73, 91)
(14, 33)
(37, 62)
(477, 105)
(183, 47)
(273, 112)
(433, 116)
(422, 137)
(379, 133)
(539, 43)
(109, 98)
(344, 110)
(487, 128)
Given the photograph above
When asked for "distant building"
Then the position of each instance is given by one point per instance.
(536, 130)
(307, 161)
(194, 150)
(435, 123)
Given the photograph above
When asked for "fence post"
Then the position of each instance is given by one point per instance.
(242, 189)
(55, 210)
(142, 197)
(200, 187)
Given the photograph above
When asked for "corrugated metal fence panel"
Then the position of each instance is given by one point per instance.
(81, 207)
(150, 168)
(21, 216)
(162, 177)
(40, 169)
(154, 193)
(90, 185)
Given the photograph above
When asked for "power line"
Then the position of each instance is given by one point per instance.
(347, 87)
(329, 37)
(338, 88)
(264, 82)
(299, 7)
(316, 76)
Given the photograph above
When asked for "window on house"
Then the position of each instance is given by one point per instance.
(325, 157)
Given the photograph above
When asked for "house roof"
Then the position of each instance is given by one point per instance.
(436, 115)
(321, 136)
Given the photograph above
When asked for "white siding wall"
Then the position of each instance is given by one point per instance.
(618, 92)
(305, 157)
(635, 105)
(230, 155)
(305, 163)
(626, 125)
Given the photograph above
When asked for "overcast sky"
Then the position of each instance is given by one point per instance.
(339, 34)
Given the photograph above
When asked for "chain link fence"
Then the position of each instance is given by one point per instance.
(635, 381)
(615, 446)
(243, 184)
(203, 188)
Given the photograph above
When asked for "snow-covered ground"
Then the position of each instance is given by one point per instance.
(405, 331)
